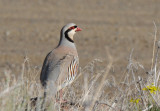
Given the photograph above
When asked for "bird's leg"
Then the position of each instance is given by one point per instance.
(44, 101)
(61, 100)
(61, 97)
(61, 94)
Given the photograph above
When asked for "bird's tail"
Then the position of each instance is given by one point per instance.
(44, 101)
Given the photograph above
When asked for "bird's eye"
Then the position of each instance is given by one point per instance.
(72, 27)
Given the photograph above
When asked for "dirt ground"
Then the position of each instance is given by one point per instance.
(32, 27)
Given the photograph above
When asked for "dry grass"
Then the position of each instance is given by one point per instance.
(93, 90)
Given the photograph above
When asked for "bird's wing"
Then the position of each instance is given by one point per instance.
(50, 65)
(60, 69)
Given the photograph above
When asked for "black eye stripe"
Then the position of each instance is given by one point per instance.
(66, 33)
(73, 27)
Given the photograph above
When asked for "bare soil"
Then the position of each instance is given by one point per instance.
(32, 27)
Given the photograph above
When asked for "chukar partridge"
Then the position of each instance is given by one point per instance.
(60, 66)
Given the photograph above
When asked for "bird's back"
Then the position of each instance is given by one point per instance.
(60, 67)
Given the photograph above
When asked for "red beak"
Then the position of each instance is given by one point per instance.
(78, 29)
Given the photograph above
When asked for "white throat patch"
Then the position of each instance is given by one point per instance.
(71, 33)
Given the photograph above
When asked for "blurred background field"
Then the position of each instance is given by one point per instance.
(120, 33)
(31, 28)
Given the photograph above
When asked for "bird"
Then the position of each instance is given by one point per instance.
(60, 66)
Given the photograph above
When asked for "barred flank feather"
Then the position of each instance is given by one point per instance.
(72, 70)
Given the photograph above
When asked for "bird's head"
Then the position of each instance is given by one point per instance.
(69, 30)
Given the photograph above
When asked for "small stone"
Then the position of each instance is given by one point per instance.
(158, 44)
(7, 33)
